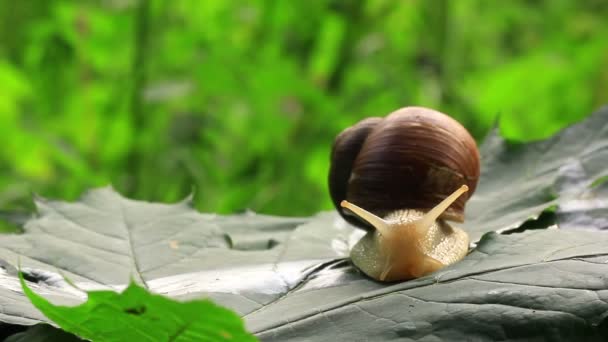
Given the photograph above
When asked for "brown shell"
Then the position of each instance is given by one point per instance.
(412, 159)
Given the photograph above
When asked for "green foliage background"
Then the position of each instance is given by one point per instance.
(240, 100)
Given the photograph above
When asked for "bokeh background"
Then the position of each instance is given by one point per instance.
(240, 100)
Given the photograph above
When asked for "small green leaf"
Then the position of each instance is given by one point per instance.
(137, 315)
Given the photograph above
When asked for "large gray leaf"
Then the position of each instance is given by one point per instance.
(289, 277)
(518, 181)
(243, 261)
(549, 284)
(589, 210)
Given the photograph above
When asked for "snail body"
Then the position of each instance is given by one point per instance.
(402, 177)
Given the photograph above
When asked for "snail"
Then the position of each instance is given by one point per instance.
(401, 178)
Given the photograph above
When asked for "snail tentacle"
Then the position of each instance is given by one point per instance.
(427, 220)
(381, 225)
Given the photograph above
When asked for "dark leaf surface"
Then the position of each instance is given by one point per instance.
(541, 284)
(100, 242)
(43, 333)
(519, 181)
(588, 211)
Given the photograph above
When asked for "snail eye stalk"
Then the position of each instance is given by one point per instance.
(431, 216)
(381, 225)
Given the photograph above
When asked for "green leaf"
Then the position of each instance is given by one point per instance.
(137, 315)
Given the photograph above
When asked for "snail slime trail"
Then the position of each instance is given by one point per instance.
(400, 178)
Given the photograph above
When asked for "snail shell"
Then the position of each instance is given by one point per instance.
(403, 176)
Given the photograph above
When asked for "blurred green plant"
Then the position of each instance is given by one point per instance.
(241, 101)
